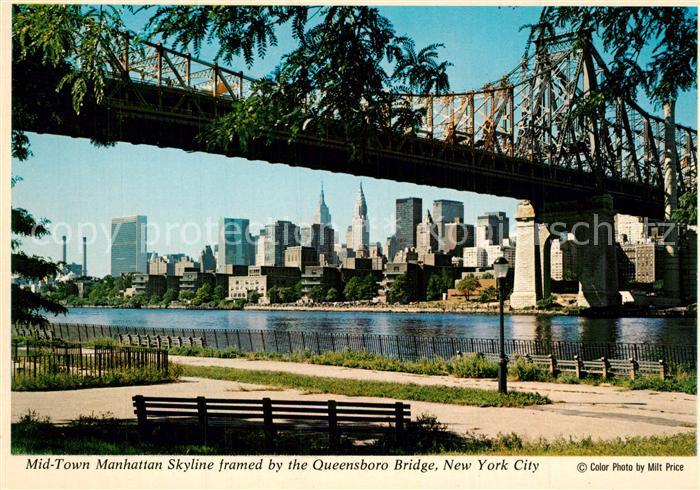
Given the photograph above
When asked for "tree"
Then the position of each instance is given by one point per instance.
(487, 275)
(687, 211)
(203, 294)
(317, 293)
(352, 289)
(332, 294)
(138, 300)
(487, 294)
(186, 295)
(337, 76)
(253, 296)
(438, 284)
(668, 33)
(468, 285)
(219, 293)
(273, 295)
(400, 291)
(169, 296)
(155, 299)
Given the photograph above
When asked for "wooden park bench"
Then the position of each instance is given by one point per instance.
(334, 417)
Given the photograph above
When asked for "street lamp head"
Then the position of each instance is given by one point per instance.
(500, 267)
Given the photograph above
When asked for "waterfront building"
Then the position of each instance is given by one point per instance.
(408, 215)
(261, 279)
(413, 273)
(192, 280)
(149, 284)
(326, 277)
(563, 260)
(235, 243)
(278, 236)
(426, 235)
(491, 229)
(207, 260)
(128, 246)
(300, 257)
(360, 223)
(446, 211)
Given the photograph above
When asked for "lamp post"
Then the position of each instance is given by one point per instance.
(500, 269)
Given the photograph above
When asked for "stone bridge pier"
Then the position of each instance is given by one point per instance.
(592, 223)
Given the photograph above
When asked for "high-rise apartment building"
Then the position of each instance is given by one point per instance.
(457, 236)
(207, 260)
(128, 247)
(278, 236)
(444, 212)
(408, 215)
(426, 234)
(491, 229)
(235, 243)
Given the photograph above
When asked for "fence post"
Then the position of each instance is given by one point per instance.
(318, 345)
(398, 347)
(268, 424)
(633, 369)
(552, 365)
(579, 367)
(203, 419)
(663, 369)
(333, 436)
(606, 367)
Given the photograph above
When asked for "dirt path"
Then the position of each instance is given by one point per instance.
(601, 412)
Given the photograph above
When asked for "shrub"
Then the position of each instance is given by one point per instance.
(523, 370)
(473, 366)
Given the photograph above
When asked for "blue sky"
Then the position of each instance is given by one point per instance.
(71, 182)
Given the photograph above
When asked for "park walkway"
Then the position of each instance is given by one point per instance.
(600, 412)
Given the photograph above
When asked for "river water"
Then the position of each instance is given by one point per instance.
(567, 328)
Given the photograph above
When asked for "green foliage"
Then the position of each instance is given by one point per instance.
(361, 288)
(352, 387)
(547, 302)
(468, 285)
(332, 294)
(253, 296)
(438, 284)
(401, 291)
(487, 294)
(317, 293)
(169, 296)
(203, 294)
(138, 300)
(687, 211)
(520, 369)
(669, 33)
(218, 293)
(473, 366)
(186, 295)
(62, 381)
(27, 306)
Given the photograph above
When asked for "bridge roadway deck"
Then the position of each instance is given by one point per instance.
(167, 117)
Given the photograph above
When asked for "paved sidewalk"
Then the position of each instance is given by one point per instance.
(600, 412)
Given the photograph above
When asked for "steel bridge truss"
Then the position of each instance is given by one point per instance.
(528, 114)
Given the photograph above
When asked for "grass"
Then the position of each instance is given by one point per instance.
(466, 366)
(352, 387)
(63, 381)
(107, 435)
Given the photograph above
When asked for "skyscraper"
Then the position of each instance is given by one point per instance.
(128, 249)
(235, 243)
(426, 234)
(444, 212)
(491, 229)
(408, 215)
(360, 223)
(207, 260)
(278, 236)
(323, 215)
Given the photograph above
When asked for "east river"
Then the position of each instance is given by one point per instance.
(567, 328)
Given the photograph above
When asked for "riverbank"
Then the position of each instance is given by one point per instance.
(434, 307)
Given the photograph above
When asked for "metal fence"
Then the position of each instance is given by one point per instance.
(33, 359)
(403, 347)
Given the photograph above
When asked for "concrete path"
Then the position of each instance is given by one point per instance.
(600, 412)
